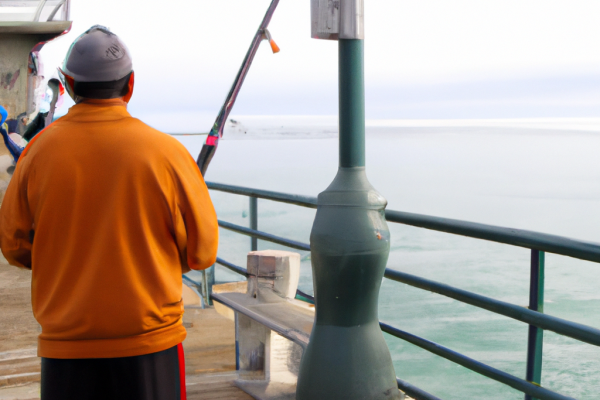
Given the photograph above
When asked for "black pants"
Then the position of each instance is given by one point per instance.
(156, 376)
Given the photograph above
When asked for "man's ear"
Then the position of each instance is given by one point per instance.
(127, 97)
(70, 86)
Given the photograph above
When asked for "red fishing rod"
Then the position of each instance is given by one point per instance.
(216, 133)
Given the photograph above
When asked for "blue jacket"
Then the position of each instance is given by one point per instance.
(14, 149)
(3, 115)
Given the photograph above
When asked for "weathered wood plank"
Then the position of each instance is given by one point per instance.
(209, 346)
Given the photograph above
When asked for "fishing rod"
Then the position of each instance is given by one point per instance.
(216, 133)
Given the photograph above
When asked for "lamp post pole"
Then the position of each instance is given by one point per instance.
(347, 357)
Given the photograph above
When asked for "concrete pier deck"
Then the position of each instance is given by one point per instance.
(209, 348)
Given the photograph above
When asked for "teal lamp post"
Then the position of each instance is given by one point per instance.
(347, 357)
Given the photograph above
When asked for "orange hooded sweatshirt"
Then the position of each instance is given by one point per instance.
(108, 213)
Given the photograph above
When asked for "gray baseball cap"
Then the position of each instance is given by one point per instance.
(98, 55)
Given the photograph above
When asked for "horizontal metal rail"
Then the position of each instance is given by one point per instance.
(232, 267)
(264, 236)
(482, 369)
(196, 288)
(517, 237)
(189, 281)
(297, 199)
(414, 391)
(451, 355)
(406, 387)
(300, 295)
(192, 285)
(242, 271)
(574, 330)
(561, 326)
(522, 238)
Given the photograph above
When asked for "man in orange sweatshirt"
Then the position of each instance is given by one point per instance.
(108, 213)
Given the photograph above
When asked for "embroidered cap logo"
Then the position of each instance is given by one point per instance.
(114, 52)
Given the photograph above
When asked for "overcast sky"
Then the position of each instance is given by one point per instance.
(424, 58)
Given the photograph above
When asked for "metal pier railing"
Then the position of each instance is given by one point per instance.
(539, 243)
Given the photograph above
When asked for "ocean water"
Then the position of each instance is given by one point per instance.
(541, 175)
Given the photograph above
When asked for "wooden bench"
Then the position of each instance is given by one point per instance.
(272, 328)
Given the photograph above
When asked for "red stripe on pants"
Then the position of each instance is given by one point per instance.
(181, 371)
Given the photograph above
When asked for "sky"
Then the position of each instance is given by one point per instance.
(424, 59)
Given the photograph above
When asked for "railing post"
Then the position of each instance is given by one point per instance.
(208, 281)
(347, 357)
(253, 222)
(536, 335)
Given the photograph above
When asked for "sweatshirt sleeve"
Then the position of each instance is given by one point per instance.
(16, 223)
(197, 230)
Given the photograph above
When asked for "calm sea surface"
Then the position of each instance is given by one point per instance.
(536, 175)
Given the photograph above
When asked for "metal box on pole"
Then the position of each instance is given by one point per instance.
(337, 19)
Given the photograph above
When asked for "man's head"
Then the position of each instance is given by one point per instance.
(98, 66)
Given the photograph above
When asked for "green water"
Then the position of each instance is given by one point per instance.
(537, 179)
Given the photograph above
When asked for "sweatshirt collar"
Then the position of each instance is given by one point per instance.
(105, 102)
(99, 110)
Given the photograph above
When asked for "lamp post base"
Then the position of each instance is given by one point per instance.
(347, 357)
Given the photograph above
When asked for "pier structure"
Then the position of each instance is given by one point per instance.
(258, 338)
(25, 27)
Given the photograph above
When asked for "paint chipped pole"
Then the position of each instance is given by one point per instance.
(347, 357)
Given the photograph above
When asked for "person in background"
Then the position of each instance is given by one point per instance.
(12, 125)
(52, 99)
(108, 213)
(36, 126)
(13, 148)
(17, 125)
(3, 116)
